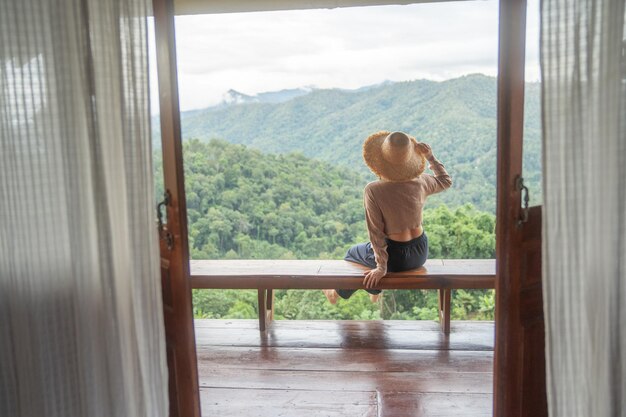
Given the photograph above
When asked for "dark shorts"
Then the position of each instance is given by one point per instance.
(402, 257)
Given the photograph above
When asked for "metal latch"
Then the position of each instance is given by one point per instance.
(519, 186)
(164, 234)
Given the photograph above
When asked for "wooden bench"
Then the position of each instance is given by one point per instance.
(268, 275)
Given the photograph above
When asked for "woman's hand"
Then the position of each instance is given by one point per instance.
(373, 277)
(424, 149)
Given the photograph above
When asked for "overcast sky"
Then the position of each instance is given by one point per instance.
(346, 48)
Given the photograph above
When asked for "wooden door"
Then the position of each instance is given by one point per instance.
(177, 306)
(519, 370)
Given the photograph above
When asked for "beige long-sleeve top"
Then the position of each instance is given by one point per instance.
(392, 207)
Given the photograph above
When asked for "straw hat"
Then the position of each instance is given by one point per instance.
(392, 156)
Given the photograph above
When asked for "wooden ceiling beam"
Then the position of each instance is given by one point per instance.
(191, 7)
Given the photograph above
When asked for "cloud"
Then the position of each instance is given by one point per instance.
(347, 48)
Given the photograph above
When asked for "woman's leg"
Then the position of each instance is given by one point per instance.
(331, 296)
(402, 256)
(362, 254)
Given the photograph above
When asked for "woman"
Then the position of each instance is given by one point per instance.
(393, 208)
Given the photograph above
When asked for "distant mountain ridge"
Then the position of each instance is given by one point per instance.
(457, 117)
(234, 97)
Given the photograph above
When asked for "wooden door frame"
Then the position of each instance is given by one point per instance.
(510, 108)
(511, 83)
(180, 341)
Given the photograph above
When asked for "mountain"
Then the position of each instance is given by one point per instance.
(457, 117)
(234, 97)
(283, 95)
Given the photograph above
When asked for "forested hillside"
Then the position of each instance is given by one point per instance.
(244, 204)
(458, 117)
(280, 175)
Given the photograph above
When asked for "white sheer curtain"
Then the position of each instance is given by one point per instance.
(81, 330)
(584, 114)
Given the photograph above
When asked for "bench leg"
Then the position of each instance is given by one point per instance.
(270, 306)
(444, 310)
(266, 308)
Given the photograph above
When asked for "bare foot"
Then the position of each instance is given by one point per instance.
(375, 297)
(331, 295)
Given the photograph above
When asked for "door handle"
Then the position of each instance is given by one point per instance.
(164, 234)
(519, 186)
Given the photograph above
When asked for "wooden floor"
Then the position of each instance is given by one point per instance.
(345, 368)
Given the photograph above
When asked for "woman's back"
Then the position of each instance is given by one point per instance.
(398, 205)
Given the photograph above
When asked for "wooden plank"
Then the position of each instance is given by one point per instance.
(471, 266)
(189, 7)
(255, 267)
(393, 404)
(380, 326)
(270, 403)
(339, 282)
(345, 268)
(356, 360)
(340, 382)
(252, 274)
(461, 337)
(318, 339)
(226, 402)
(263, 267)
